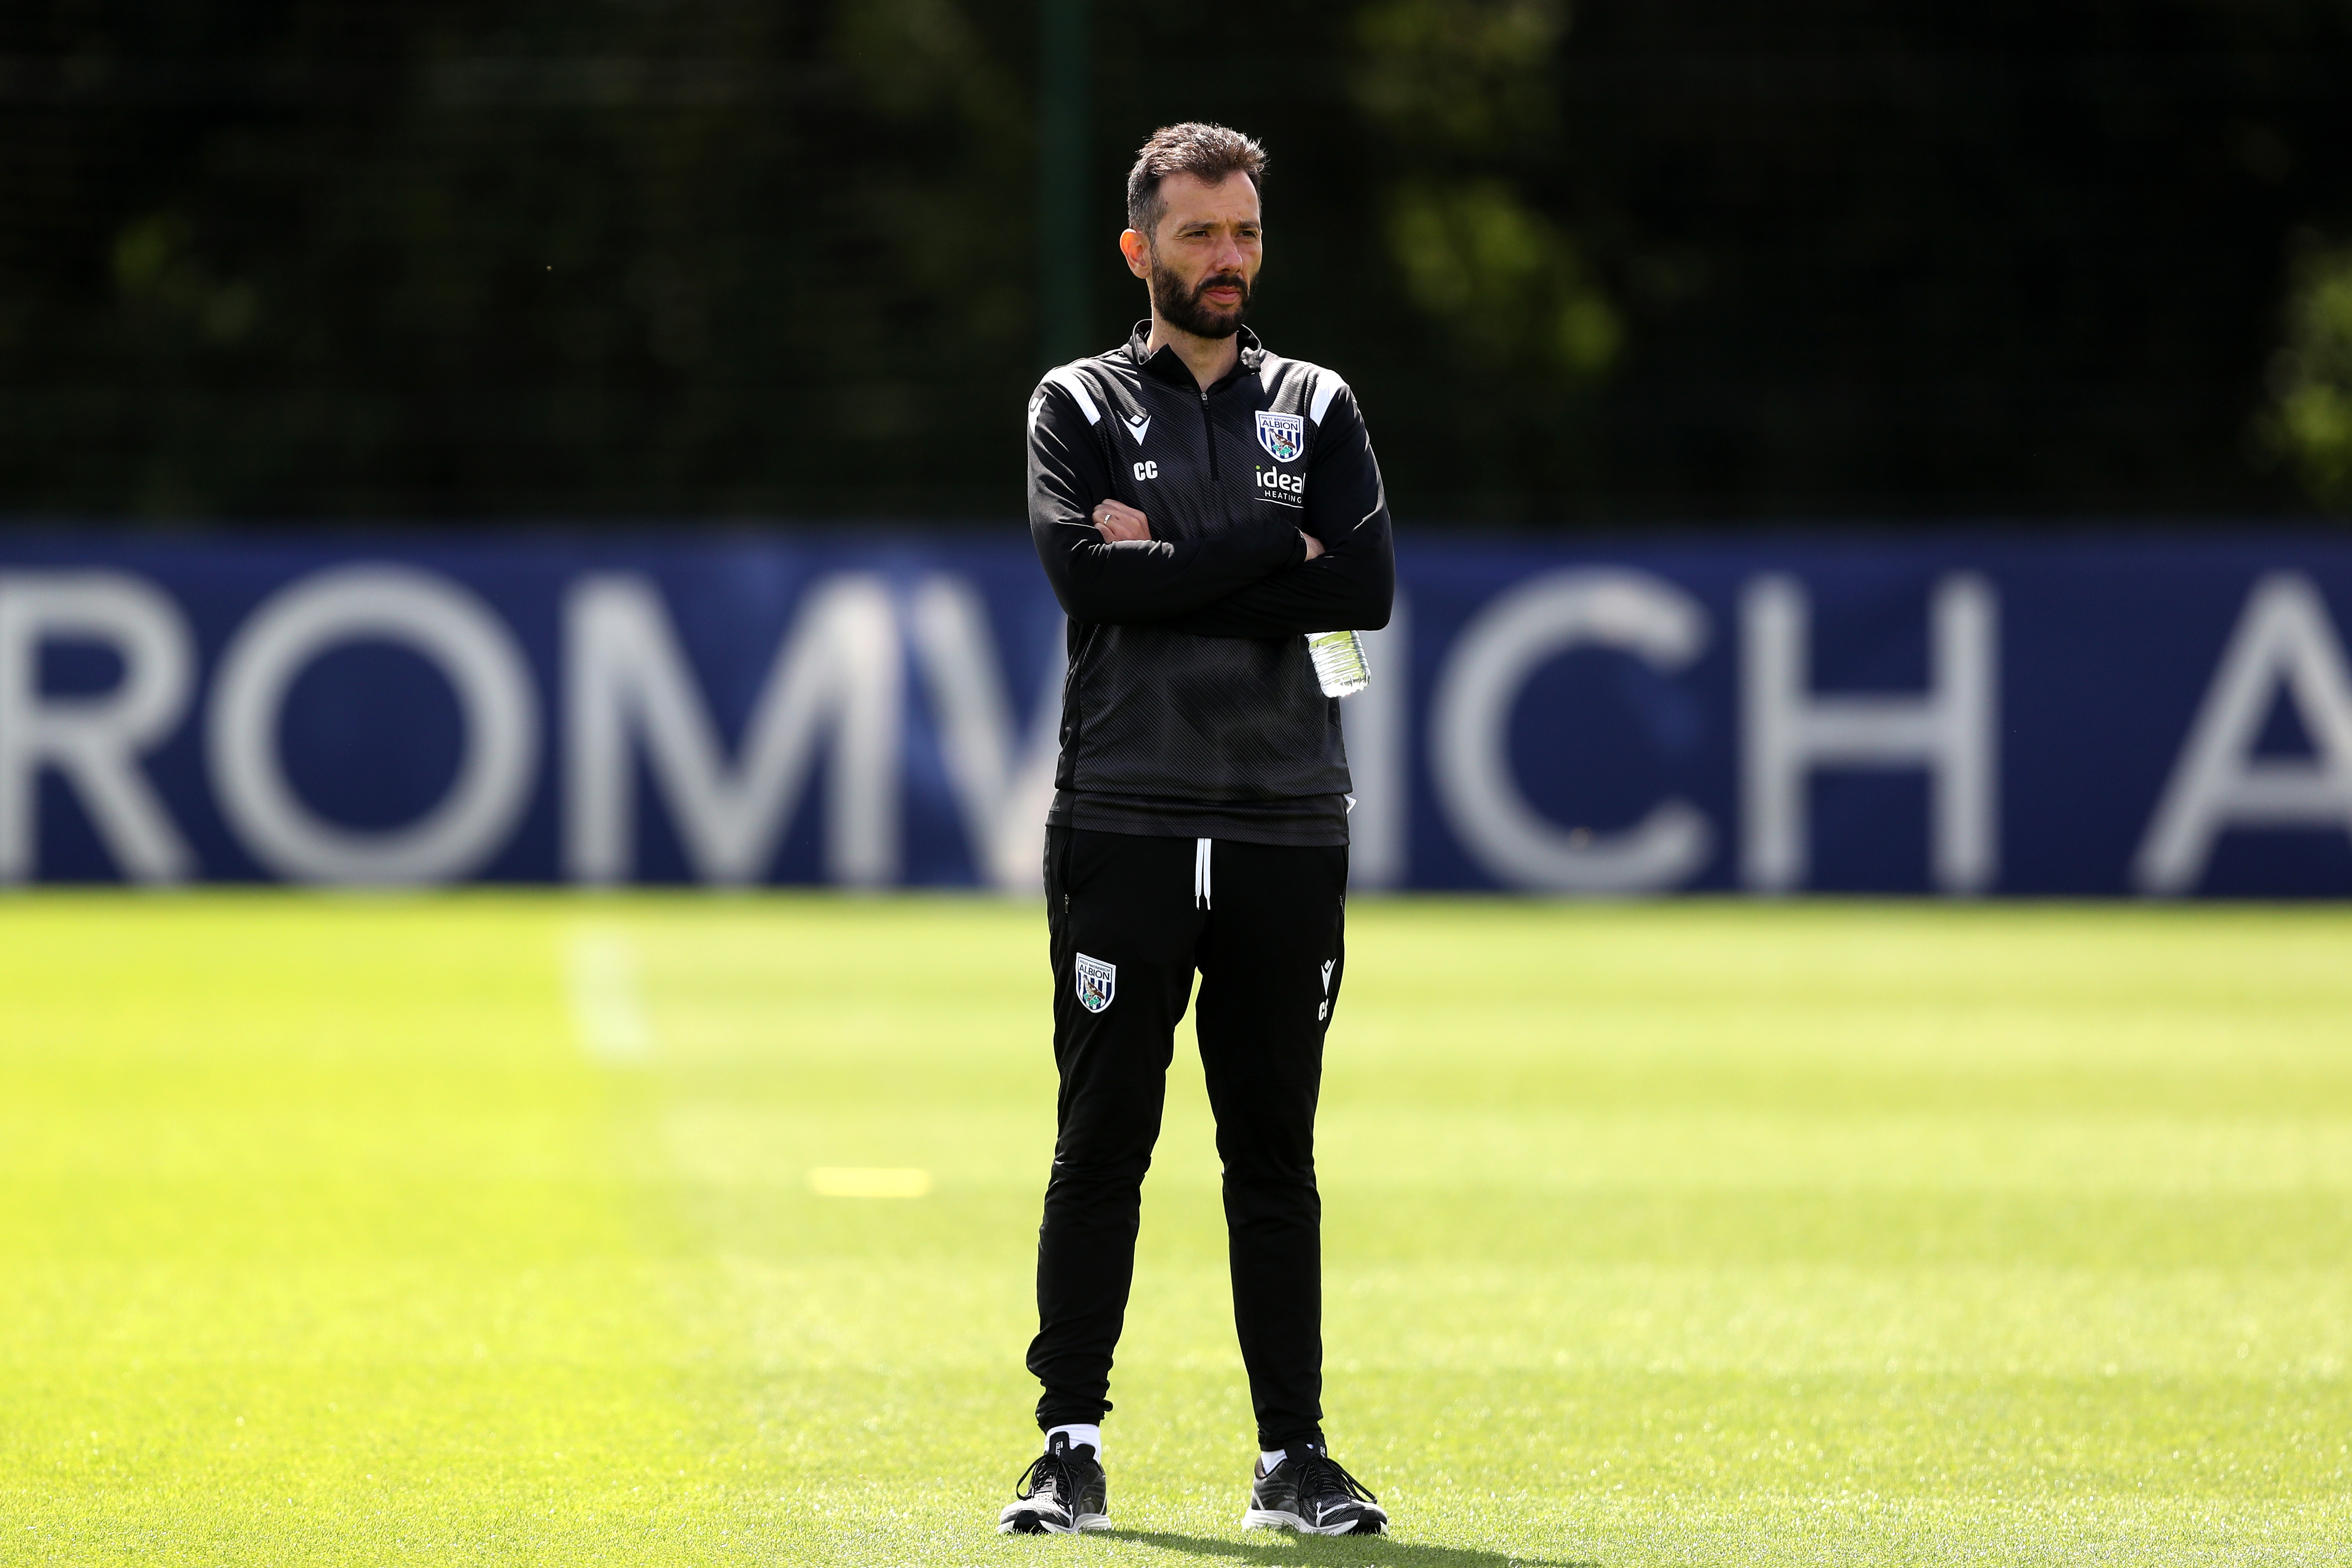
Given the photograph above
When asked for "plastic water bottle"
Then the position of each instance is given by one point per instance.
(1339, 666)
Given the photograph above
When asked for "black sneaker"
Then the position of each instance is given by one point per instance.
(1061, 1493)
(1307, 1491)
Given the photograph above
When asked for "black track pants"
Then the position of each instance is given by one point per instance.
(1130, 920)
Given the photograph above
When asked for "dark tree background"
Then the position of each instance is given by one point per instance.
(1702, 260)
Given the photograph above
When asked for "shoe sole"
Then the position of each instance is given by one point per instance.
(1027, 1523)
(1271, 1519)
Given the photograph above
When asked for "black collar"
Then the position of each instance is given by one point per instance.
(1169, 366)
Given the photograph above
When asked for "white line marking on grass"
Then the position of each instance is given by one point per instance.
(868, 1181)
(608, 1010)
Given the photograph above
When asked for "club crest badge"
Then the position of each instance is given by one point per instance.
(1097, 982)
(1284, 435)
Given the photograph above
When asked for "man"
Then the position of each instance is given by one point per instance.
(1198, 503)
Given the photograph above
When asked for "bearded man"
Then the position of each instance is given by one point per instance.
(1200, 504)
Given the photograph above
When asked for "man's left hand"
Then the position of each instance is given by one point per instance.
(1118, 523)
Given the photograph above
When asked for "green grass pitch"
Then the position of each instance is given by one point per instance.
(481, 1228)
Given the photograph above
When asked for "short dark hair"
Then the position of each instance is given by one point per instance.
(1207, 153)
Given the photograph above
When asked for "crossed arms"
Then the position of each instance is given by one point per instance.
(1260, 578)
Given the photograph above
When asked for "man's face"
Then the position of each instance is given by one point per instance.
(1202, 257)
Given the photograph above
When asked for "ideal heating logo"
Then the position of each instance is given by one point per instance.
(1273, 485)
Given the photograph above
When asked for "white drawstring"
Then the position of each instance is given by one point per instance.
(1201, 874)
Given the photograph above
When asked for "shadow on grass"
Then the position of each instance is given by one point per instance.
(1385, 1549)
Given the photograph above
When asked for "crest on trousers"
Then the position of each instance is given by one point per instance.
(1097, 982)
(1284, 435)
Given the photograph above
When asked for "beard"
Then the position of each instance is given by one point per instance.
(1184, 309)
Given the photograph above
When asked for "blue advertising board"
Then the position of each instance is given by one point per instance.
(1958, 714)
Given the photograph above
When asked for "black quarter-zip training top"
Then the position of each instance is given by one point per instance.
(1191, 709)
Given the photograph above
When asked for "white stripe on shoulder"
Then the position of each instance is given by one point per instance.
(1071, 382)
(1326, 387)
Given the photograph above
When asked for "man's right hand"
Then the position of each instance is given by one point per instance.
(1314, 545)
(1117, 523)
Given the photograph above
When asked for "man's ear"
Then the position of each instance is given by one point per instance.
(1138, 251)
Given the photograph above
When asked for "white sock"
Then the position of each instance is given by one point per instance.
(1079, 1437)
(1269, 1457)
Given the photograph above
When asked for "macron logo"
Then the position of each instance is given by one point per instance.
(1137, 425)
